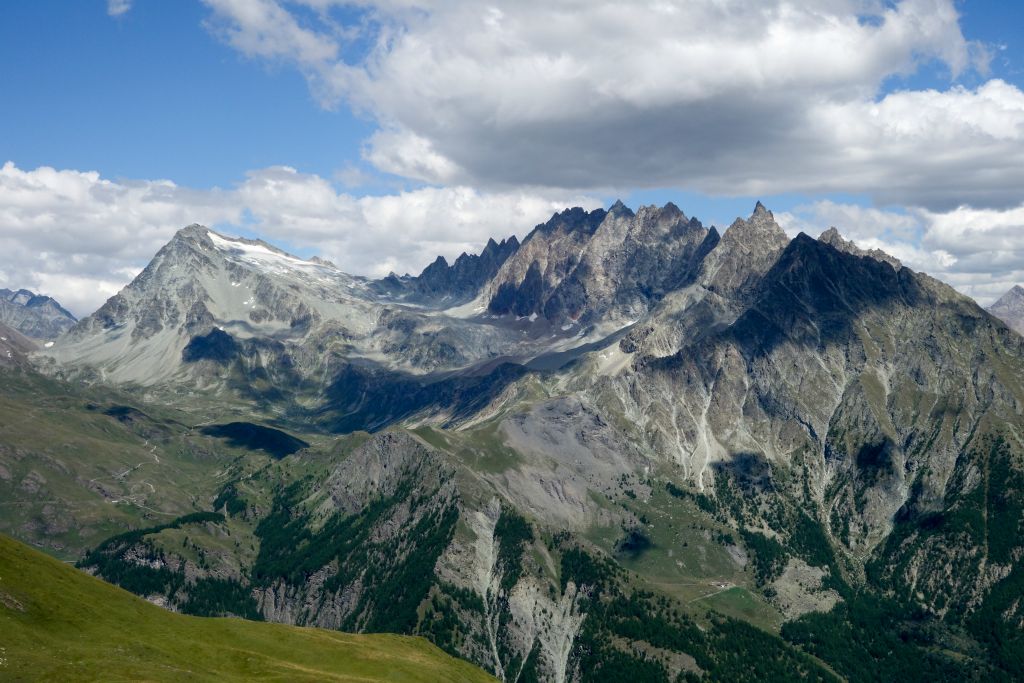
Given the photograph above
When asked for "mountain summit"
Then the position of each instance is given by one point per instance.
(583, 267)
(205, 294)
(1010, 308)
(34, 315)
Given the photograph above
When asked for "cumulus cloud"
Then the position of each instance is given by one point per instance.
(857, 222)
(741, 97)
(265, 29)
(988, 245)
(80, 237)
(400, 232)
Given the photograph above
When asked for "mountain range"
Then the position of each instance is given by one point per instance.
(629, 447)
(34, 315)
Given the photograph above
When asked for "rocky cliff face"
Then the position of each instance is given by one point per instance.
(449, 285)
(546, 257)
(747, 251)
(837, 368)
(834, 239)
(34, 315)
(581, 267)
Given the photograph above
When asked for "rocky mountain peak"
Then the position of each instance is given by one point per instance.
(34, 315)
(194, 234)
(22, 296)
(495, 249)
(323, 262)
(833, 238)
(576, 219)
(668, 215)
(747, 250)
(672, 208)
(582, 265)
(461, 280)
(201, 282)
(1013, 295)
(760, 229)
(1010, 308)
(619, 209)
(192, 230)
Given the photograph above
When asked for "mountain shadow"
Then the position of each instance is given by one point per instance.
(272, 441)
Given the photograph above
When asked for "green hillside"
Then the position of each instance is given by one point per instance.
(57, 623)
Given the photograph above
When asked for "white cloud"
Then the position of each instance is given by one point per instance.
(265, 29)
(973, 231)
(928, 148)
(116, 8)
(988, 245)
(855, 222)
(734, 97)
(75, 235)
(401, 232)
(404, 153)
(80, 237)
(262, 28)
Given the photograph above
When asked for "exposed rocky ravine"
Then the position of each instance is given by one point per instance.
(519, 612)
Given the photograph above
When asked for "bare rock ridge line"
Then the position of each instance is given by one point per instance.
(833, 238)
(580, 271)
(34, 315)
(460, 281)
(211, 311)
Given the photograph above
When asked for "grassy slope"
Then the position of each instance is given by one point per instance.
(72, 475)
(57, 623)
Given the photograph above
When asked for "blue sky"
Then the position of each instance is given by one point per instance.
(151, 94)
(257, 110)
